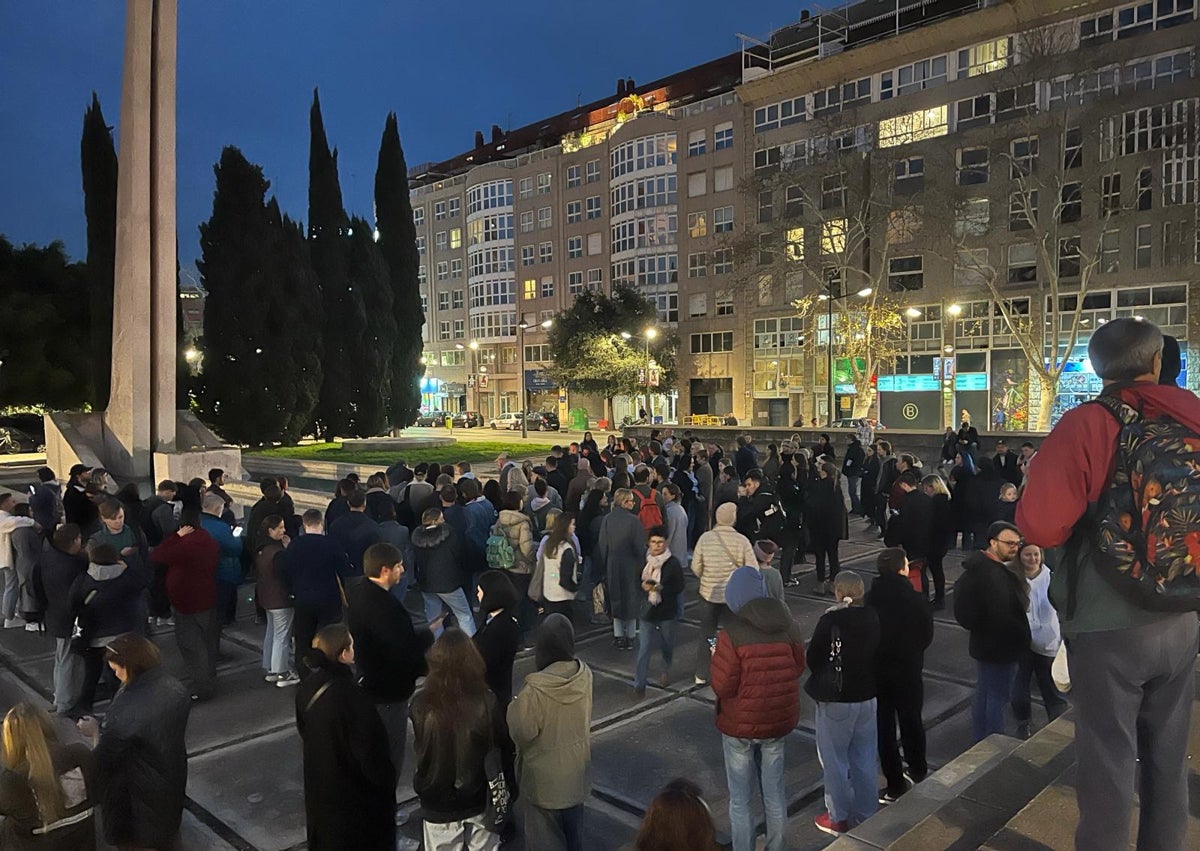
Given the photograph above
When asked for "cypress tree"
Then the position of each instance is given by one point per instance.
(344, 312)
(98, 159)
(262, 366)
(369, 275)
(398, 241)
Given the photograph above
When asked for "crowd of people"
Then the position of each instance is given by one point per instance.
(408, 599)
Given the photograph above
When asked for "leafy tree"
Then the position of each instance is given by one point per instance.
(589, 354)
(98, 159)
(261, 316)
(43, 322)
(398, 242)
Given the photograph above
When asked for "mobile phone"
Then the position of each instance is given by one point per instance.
(238, 531)
(712, 643)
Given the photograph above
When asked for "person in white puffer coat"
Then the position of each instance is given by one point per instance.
(1043, 646)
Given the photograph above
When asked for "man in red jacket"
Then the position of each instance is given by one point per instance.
(191, 556)
(1132, 670)
(756, 669)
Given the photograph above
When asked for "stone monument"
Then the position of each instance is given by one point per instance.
(141, 437)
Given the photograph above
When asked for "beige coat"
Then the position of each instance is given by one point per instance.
(516, 527)
(718, 553)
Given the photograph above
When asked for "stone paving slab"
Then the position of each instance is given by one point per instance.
(244, 706)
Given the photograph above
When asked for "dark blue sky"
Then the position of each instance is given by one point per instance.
(247, 69)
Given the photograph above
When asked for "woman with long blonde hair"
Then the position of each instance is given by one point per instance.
(45, 786)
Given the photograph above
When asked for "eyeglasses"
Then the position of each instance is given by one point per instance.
(1009, 543)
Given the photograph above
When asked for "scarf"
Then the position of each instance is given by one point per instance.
(652, 572)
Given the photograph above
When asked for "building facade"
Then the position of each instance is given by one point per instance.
(1005, 176)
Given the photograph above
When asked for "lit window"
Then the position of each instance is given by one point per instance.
(833, 236)
(984, 58)
(973, 218)
(795, 244)
(698, 224)
(456, 237)
(913, 127)
(529, 289)
(1022, 263)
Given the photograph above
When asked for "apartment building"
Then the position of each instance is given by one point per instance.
(978, 163)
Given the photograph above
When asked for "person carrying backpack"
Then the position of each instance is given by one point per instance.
(1122, 499)
(759, 513)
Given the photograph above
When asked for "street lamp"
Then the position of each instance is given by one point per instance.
(829, 297)
(521, 326)
(646, 336)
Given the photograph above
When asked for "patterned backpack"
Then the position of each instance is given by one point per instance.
(1147, 523)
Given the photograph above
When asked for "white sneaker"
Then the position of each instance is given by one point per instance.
(32, 627)
(13, 623)
(287, 680)
(273, 678)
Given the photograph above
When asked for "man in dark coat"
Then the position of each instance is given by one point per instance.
(1007, 464)
(990, 600)
(620, 557)
(852, 469)
(555, 477)
(54, 573)
(759, 514)
(441, 573)
(313, 566)
(912, 528)
(45, 503)
(905, 631)
(354, 532)
(389, 653)
(746, 457)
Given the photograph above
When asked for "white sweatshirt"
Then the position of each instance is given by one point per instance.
(1043, 619)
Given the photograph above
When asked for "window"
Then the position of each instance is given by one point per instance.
(456, 270)
(575, 283)
(453, 357)
(527, 221)
(1145, 198)
(490, 228)
(906, 273)
(697, 265)
(1143, 250)
(984, 58)
(440, 240)
(723, 136)
(1015, 102)
(794, 246)
(456, 237)
(1148, 128)
(973, 218)
(973, 112)
(1072, 148)
(697, 305)
(418, 216)
(766, 206)
(491, 261)
(443, 272)
(439, 210)
(543, 183)
(971, 268)
(547, 287)
(766, 256)
(833, 236)
(910, 175)
(643, 153)
(697, 183)
(491, 293)
(595, 279)
(425, 309)
(1068, 257)
(420, 245)
(443, 301)
(793, 201)
(574, 176)
(972, 166)
(642, 193)
(833, 191)
(525, 187)
(913, 78)
(457, 299)
(1071, 203)
(444, 329)
(645, 232)
(594, 210)
(595, 244)
(460, 330)
(903, 225)
(1022, 210)
(489, 195)
(722, 261)
(545, 217)
(526, 255)
(827, 102)
(1110, 194)
(774, 115)
(574, 247)
(592, 170)
(766, 158)
(913, 127)
(1181, 176)
(1022, 263)
(723, 178)
(529, 289)
(724, 304)
(713, 341)
(574, 212)
(455, 207)
(508, 354)
(1024, 154)
(545, 252)
(537, 353)
(422, 274)
(1110, 251)
(856, 92)
(696, 140)
(723, 220)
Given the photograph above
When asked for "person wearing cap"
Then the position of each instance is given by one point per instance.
(764, 554)
(550, 723)
(78, 507)
(45, 501)
(756, 668)
(719, 552)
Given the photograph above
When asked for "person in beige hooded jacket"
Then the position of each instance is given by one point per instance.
(719, 552)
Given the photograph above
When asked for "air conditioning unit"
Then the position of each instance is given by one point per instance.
(830, 48)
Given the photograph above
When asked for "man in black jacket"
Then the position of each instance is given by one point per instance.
(989, 602)
(54, 573)
(852, 469)
(1007, 464)
(759, 514)
(313, 565)
(439, 550)
(911, 529)
(888, 473)
(746, 457)
(870, 476)
(354, 532)
(389, 653)
(905, 631)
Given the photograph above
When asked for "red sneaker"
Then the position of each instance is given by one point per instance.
(828, 825)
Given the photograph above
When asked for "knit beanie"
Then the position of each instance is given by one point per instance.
(555, 642)
(726, 514)
(765, 550)
(745, 584)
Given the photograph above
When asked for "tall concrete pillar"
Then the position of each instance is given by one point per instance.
(164, 244)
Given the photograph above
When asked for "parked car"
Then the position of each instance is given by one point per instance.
(432, 418)
(544, 421)
(468, 419)
(13, 440)
(510, 421)
(850, 422)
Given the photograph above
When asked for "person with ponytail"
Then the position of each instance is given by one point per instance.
(45, 786)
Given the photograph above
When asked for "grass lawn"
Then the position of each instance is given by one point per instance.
(473, 451)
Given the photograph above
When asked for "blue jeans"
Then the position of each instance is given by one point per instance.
(654, 635)
(993, 690)
(456, 600)
(277, 643)
(747, 761)
(853, 483)
(624, 627)
(847, 745)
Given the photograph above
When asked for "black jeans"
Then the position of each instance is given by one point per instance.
(900, 698)
(93, 670)
(1034, 665)
(826, 548)
(935, 568)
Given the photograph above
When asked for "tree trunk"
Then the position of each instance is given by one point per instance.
(1048, 382)
(862, 403)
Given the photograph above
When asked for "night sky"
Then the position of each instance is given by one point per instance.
(247, 70)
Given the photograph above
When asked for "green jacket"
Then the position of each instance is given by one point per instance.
(550, 723)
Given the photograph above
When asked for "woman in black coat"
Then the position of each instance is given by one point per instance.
(828, 521)
(941, 536)
(499, 635)
(349, 780)
(795, 535)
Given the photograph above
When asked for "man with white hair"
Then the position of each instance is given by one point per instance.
(229, 567)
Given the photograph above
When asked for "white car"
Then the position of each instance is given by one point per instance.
(510, 421)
